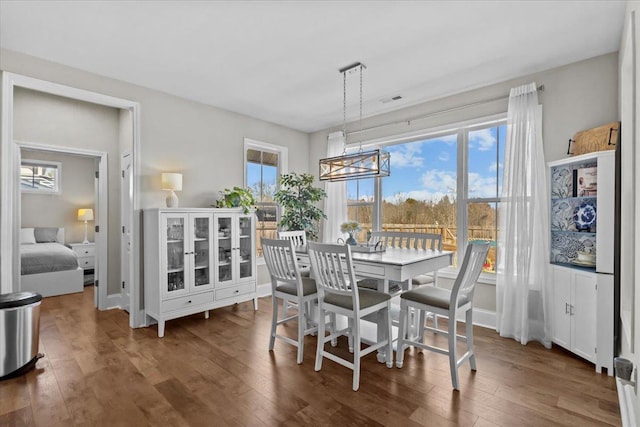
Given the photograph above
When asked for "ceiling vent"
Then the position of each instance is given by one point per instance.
(392, 99)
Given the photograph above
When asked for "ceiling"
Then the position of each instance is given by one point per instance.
(279, 60)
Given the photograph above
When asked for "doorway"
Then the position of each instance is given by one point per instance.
(90, 189)
(10, 198)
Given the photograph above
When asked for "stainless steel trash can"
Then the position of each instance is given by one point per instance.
(19, 333)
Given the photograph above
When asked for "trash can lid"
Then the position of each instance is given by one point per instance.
(19, 299)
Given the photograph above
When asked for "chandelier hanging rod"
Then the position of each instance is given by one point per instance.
(432, 114)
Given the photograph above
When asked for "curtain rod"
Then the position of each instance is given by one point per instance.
(435, 113)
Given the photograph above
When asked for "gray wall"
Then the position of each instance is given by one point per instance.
(204, 143)
(61, 210)
(576, 97)
(53, 120)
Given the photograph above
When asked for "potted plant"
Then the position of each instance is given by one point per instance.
(236, 197)
(350, 227)
(298, 196)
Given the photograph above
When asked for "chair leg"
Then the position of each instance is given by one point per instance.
(321, 340)
(356, 354)
(402, 331)
(350, 336)
(274, 322)
(453, 360)
(302, 324)
(422, 318)
(387, 323)
(469, 332)
(332, 329)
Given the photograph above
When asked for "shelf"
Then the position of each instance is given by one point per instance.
(200, 239)
(245, 236)
(175, 241)
(175, 270)
(200, 267)
(581, 233)
(553, 199)
(575, 266)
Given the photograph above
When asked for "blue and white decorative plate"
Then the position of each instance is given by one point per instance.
(584, 216)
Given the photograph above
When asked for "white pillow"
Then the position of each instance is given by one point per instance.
(27, 237)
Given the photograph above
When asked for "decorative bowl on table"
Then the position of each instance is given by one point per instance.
(584, 216)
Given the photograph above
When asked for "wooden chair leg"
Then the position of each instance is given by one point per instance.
(321, 339)
(274, 322)
(402, 331)
(453, 361)
(469, 333)
(356, 354)
(302, 324)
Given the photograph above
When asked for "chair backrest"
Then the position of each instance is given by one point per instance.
(333, 270)
(474, 258)
(299, 237)
(280, 257)
(400, 239)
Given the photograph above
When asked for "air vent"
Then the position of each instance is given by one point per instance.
(391, 99)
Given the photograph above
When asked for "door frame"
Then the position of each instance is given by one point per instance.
(101, 205)
(9, 178)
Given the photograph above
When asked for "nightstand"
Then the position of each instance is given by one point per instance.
(86, 254)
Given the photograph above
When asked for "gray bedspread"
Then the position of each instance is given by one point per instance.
(46, 257)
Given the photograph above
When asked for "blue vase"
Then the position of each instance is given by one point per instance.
(351, 240)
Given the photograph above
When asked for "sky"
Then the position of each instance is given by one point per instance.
(427, 169)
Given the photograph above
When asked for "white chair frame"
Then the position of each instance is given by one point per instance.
(299, 237)
(464, 285)
(282, 264)
(333, 270)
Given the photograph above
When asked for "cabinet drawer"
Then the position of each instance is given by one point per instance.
(87, 262)
(83, 251)
(188, 301)
(369, 270)
(234, 291)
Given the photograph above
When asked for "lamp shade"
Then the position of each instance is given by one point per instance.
(172, 181)
(85, 214)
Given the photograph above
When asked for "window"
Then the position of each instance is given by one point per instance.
(263, 165)
(40, 177)
(447, 183)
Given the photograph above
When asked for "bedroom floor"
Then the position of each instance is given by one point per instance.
(98, 371)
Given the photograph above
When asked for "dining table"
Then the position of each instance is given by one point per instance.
(390, 266)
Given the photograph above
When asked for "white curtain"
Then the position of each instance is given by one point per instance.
(523, 281)
(335, 205)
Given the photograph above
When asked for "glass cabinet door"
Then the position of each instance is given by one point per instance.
(245, 246)
(224, 227)
(175, 249)
(202, 246)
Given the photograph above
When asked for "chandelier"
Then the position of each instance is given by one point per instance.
(363, 164)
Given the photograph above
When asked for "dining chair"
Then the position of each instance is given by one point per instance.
(446, 303)
(288, 285)
(338, 293)
(299, 237)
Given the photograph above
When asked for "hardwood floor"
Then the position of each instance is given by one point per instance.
(217, 372)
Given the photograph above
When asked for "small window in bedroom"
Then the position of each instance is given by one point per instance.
(38, 176)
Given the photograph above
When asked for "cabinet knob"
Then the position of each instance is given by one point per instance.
(236, 291)
(189, 301)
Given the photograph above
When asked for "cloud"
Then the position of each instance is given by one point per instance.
(493, 167)
(482, 139)
(443, 156)
(407, 155)
(482, 186)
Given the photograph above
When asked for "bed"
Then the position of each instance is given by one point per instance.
(47, 265)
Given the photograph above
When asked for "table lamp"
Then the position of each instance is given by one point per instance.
(85, 215)
(173, 183)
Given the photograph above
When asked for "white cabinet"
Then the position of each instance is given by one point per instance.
(86, 253)
(190, 266)
(582, 191)
(574, 297)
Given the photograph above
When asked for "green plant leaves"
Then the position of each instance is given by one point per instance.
(298, 197)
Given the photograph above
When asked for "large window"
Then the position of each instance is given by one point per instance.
(447, 183)
(40, 177)
(263, 165)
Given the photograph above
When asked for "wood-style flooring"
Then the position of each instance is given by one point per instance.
(218, 372)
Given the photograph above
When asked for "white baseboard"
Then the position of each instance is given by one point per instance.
(263, 290)
(484, 318)
(113, 301)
